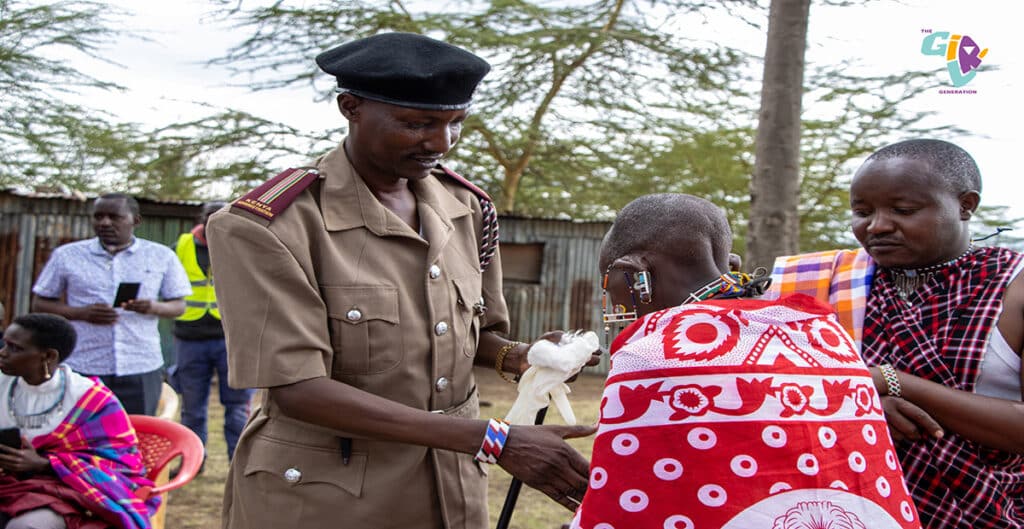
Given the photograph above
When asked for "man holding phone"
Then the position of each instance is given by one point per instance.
(119, 343)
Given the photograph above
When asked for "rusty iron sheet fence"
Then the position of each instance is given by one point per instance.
(565, 295)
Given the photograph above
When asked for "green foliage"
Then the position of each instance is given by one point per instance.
(595, 102)
(56, 145)
(228, 150)
(590, 104)
(576, 87)
(45, 138)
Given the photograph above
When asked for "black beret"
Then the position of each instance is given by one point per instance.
(406, 69)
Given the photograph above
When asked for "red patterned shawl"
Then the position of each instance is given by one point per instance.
(742, 414)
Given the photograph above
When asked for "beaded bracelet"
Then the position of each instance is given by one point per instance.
(499, 361)
(494, 441)
(892, 381)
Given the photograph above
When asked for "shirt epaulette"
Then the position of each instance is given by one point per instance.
(276, 194)
(489, 233)
(444, 171)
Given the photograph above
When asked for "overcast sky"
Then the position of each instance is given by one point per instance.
(883, 36)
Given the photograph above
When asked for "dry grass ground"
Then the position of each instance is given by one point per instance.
(198, 505)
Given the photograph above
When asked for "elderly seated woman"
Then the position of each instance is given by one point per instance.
(70, 458)
(724, 412)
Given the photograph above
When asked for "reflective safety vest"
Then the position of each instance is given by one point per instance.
(203, 298)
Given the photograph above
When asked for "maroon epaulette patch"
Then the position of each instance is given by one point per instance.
(276, 194)
(466, 183)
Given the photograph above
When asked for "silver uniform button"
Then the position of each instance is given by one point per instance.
(441, 329)
(292, 475)
(435, 271)
(354, 315)
(441, 384)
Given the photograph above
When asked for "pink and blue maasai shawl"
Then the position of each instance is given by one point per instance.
(94, 452)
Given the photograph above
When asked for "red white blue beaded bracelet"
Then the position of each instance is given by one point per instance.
(494, 441)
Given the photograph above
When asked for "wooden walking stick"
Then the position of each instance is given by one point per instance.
(513, 489)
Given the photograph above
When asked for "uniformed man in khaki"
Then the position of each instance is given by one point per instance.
(356, 296)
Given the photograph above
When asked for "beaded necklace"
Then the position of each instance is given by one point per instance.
(908, 280)
(37, 420)
(725, 286)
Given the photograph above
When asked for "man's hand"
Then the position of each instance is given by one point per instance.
(96, 313)
(909, 422)
(168, 308)
(24, 459)
(538, 456)
(142, 306)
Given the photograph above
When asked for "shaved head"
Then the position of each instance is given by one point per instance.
(953, 165)
(683, 227)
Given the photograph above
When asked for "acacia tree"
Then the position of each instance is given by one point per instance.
(36, 122)
(574, 87)
(59, 145)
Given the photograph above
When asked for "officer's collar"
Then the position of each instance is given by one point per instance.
(347, 202)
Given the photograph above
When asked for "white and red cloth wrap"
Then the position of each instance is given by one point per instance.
(742, 414)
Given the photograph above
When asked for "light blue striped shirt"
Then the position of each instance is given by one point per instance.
(87, 274)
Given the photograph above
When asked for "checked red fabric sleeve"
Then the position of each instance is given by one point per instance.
(940, 333)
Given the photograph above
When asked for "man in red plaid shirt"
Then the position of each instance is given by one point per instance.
(944, 327)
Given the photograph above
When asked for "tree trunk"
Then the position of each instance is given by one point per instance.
(509, 189)
(775, 186)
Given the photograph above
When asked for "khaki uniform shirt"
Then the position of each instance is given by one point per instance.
(337, 285)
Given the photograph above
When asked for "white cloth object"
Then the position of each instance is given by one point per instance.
(544, 382)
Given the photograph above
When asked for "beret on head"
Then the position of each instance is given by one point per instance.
(406, 69)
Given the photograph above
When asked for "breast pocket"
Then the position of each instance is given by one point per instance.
(469, 308)
(364, 329)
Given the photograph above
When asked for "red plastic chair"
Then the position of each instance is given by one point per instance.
(160, 441)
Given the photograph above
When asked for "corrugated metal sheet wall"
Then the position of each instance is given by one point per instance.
(31, 227)
(567, 297)
(569, 294)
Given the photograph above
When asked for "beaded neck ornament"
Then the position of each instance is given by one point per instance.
(908, 280)
(725, 286)
(37, 420)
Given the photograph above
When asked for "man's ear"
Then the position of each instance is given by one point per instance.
(969, 201)
(631, 263)
(349, 105)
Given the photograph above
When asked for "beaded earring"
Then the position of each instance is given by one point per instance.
(619, 313)
(46, 370)
(643, 286)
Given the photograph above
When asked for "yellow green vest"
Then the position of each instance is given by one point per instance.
(203, 298)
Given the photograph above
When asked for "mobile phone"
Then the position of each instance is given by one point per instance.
(10, 437)
(126, 292)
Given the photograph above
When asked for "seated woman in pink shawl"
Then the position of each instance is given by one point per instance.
(721, 412)
(77, 464)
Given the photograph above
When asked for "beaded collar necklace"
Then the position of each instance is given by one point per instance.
(36, 420)
(725, 286)
(908, 280)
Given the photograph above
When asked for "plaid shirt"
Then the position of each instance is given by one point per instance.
(940, 333)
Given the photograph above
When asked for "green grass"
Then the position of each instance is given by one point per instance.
(198, 504)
